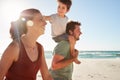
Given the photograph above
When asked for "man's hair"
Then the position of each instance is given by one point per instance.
(68, 3)
(71, 26)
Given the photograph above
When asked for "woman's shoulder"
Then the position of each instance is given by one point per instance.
(12, 51)
(14, 45)
(40, 46)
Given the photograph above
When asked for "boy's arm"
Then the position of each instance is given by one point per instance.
(47, 18)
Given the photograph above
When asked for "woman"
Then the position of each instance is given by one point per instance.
(24, 57)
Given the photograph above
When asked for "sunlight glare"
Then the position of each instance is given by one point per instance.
(11, 9)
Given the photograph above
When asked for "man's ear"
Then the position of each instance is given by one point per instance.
(70, 32)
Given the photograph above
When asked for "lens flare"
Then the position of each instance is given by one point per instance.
(30, 23)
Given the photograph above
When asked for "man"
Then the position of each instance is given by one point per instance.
(62, 63)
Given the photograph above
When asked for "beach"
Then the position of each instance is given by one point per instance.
(94, 69)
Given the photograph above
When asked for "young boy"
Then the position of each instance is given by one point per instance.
(58, 24)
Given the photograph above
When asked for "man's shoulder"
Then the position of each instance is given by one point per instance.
(62, 48)
(64, 43)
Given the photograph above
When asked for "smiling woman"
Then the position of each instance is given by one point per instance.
(24, 44)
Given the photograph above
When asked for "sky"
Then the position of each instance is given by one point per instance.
(100, 21)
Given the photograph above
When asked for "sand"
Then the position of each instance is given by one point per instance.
(94, 69)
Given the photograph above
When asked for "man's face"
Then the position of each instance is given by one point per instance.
(77, 32)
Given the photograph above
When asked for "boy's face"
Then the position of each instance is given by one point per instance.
(62, 9)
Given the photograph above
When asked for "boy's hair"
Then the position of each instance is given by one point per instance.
(71, 26)
(68, 3)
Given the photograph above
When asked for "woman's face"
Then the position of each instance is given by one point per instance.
(39, 23)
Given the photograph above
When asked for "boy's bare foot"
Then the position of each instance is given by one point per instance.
(77, 61)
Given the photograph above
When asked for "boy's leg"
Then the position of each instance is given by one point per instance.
(60, 37)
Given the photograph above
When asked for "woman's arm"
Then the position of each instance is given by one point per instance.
(8, 57)
(44, 69)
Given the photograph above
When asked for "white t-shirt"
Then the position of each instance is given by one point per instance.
(58, 25)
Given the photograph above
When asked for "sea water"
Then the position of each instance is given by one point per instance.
(91, 54)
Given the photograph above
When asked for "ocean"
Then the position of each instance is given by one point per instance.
(92, 54)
